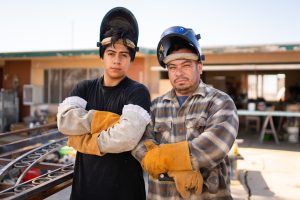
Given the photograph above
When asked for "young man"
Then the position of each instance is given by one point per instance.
(105, 118)
(192, 127)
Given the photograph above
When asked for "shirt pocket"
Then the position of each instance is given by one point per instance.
(195, 126)
(163, 131)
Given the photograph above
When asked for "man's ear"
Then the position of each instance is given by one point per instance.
(199, 65)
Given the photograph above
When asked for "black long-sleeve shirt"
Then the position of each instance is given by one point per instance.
(112, 176)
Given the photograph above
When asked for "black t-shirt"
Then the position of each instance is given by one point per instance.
(112, 176)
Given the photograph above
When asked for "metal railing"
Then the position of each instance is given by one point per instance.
(43, 185)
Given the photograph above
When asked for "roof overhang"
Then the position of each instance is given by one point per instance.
(248, 67)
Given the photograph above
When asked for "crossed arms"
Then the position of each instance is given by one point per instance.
(99, 132)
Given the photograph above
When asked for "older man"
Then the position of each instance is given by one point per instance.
(193, 127)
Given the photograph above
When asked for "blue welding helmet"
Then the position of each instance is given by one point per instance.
(119, 19)
(177, 32)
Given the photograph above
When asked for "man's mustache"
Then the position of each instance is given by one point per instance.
(181, 78)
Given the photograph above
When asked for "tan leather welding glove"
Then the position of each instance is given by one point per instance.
(87, 143)
(187, 182)
(166, 157)
(102, 120)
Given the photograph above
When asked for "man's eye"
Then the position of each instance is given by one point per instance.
(186, 66)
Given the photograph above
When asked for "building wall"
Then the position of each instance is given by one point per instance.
(15, 75)
(141, 69)
(39, 65)
(253, 58)
(1, 77)
(292, 79)
(136, 71)
(152, 78)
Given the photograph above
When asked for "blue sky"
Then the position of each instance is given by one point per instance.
(40, 25)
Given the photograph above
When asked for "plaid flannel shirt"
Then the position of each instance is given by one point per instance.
(208, 121)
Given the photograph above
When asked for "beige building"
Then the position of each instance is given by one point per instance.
(271, 72)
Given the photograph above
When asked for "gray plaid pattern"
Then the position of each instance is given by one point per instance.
(208, 121)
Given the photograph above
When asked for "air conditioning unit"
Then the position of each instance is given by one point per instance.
(32, 94)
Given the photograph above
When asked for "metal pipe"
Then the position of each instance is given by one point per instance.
(50, 125)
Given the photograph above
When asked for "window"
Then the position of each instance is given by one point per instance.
(59, 82)
(271, 87)
(70, 78)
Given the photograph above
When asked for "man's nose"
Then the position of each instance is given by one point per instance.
(117, 59)
(178, 71)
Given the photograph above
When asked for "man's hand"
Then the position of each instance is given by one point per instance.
(187, 182)
(150, 163)
(166, 157)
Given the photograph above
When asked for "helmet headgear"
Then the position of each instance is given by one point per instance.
(183, 34)
(119, 24)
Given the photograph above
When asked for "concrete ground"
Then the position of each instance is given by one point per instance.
(238, 192)
(270, 174)
(269, 171)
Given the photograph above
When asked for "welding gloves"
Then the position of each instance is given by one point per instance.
(88, 143)
(166, 157)
(99, 132)
(126, 134)
(187, 182)
(173, 159)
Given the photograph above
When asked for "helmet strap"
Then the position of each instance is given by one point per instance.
(107, 41)
(178, 56)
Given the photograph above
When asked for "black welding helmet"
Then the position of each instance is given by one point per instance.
(181, 33)
(119, 19)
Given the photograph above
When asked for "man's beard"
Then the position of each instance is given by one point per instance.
(184, 89)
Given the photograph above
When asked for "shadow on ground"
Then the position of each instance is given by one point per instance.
(257, 184)
(251, 140)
